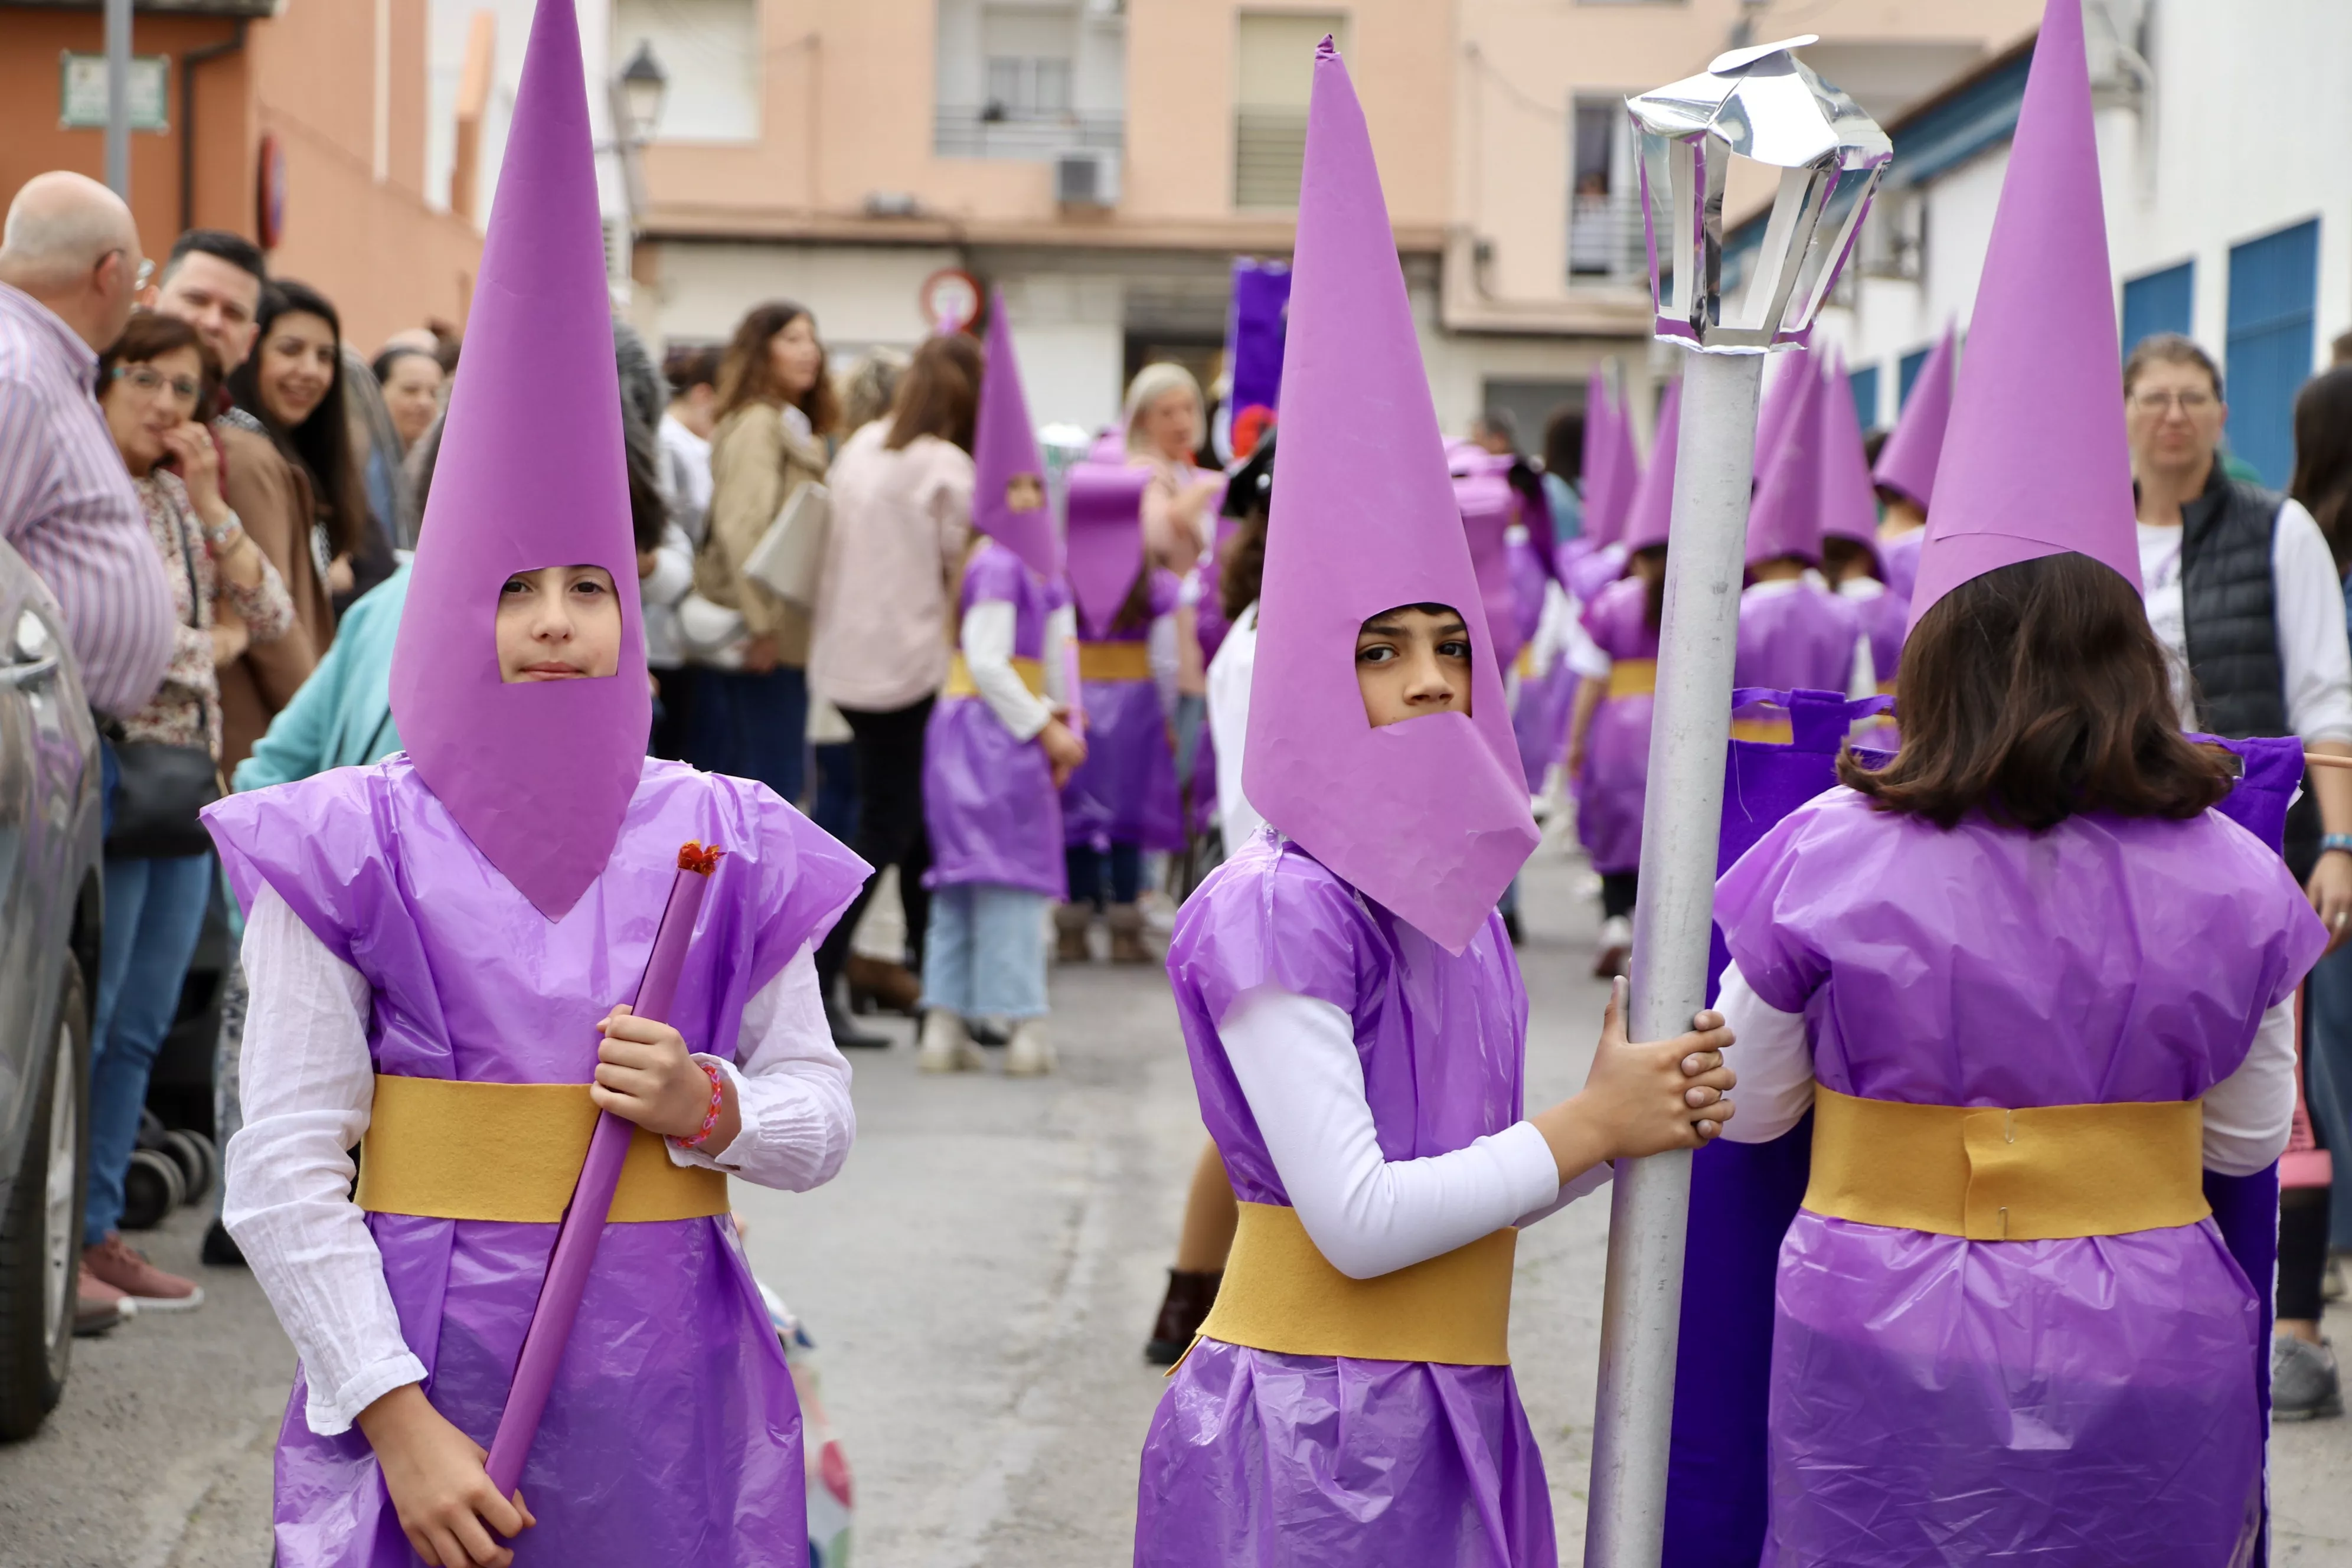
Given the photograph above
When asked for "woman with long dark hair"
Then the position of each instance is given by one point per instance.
(774, 401)
(292, 384)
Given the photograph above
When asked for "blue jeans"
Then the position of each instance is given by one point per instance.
(834, 808)
(154, 910)
(2328, 1081)
(984, 956)
(751, 726)
(1084, 865)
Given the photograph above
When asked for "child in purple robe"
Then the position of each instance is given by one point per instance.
(1795, 632)
(1851, 562)
(2036, 993)
(434, 945)
(1351, 1003)
(997, 750)
(1905, 474)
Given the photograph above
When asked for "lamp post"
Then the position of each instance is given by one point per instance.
(635, 97)
(1761, 105)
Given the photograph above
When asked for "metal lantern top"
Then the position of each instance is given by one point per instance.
(1766, 105)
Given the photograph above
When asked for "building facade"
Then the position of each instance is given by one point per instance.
(300, 124)
(1103, 161)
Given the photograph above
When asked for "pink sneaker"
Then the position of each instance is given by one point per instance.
(97, 1306)
(116, 1263)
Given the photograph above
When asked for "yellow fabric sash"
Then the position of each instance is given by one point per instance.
(1885, 688)
(1114, 661)
(1524, 666)
(2009, 1175)
(1280, 1294)
(1031, 674)
(510, 1151)
(1633, 678)
(1772, 732)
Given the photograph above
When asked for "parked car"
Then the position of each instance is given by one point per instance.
(51, 826)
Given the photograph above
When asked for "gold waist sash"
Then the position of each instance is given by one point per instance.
(510, 1151)
(1885, 688)
(1633, 678)
(2009, 1175)
(1772, 731)
(1114, 661)
(1280, 1294)
(1524, 666)
(1031, 674)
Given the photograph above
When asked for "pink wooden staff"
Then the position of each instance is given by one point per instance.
(592, 1198)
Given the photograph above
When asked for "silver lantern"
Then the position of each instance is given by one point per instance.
(1765, 105)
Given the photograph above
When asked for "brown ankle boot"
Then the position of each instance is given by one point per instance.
(1071, 923)
(1182, 1312)
(1125, 922)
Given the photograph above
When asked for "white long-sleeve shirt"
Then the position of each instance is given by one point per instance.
(1294, 1059)
(2306, 602)
(987, 636)
(307, 1083)
(1230, 674)
(2248, 1114)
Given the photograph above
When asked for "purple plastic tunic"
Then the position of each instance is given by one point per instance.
(2091, 1400)
(1125, 792)
(1617, 746)
(1290, 1461)
(988, 798)
(673, 1431)
(1594, 571)
(1792, 639)
(1900, 560)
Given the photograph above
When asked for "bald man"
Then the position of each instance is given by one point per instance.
(69, 265)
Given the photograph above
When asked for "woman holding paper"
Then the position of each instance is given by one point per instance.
(439, 949)
(750, 706)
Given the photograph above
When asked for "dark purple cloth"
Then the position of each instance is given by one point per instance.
(1125, 792)
(1617, 742)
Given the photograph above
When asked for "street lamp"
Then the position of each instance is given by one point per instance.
(644, 86)
(1761, 105)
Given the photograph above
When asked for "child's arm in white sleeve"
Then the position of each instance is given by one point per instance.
(1061, 631)
(2250, 1115)
(792, 1089)
(1296, 1059)
(1775, 1062)
(988, 629)
(308, 1084)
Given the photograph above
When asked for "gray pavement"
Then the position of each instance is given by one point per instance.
(979, 1280)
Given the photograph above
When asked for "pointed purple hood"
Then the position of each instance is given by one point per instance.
(1849, 504)
(1105, 517)
(531, 474)
(1780, 403)
(1008, 481)
(2035, 462)
(1623, 465)
(1906, 464)
(1653, 512)
(1786, 517)
(1428, 817)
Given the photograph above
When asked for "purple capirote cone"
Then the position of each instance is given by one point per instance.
(1598, 453)
(1849, 504)
(1624, 468)
(1651, 515)
(1105, 513)
(1488, 508)
(1780, 403)
(1906, 464)
(531, 474)
(1428, 816)
(2035, 462)
(1008, 480)
(1786, 517)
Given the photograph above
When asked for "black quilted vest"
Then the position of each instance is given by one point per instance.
(2227, 600)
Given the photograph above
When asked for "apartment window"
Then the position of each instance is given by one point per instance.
(1026, 85)
(1604, 209)
(1275, 62)
(711, 50)
(1030, 80)
(2273, 282)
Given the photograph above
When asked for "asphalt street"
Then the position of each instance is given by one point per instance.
(979, 1281)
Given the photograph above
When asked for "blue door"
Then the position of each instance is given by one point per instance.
(1864, 382)
(2273, 281)
(1906, 371)
(2158, 303)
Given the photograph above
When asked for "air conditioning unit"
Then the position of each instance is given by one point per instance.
(1086, 178)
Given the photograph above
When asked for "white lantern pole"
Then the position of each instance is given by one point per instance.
(1759, 104)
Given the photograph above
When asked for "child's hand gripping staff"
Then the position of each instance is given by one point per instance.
(643, 1078)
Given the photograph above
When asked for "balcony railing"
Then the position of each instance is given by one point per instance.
(1605, 247)
(993, 131)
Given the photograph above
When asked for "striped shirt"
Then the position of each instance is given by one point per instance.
(68, 505)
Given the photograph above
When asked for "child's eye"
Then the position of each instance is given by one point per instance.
(1454, 649)
(515, 585)
(1379, 653)
(587, 585)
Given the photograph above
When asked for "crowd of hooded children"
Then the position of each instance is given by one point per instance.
(2013, 1003)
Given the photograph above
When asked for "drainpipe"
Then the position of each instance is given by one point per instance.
(188, 64)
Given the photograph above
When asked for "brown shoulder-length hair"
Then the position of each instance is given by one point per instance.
(939, 393)
(2034, 693)
(148, 336)
(743, 370)
(2323, 457)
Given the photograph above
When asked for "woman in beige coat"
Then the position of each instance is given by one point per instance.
(750, 705)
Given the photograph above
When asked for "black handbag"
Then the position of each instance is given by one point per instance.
(159, 788)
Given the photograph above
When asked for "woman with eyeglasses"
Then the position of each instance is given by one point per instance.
(226, 595)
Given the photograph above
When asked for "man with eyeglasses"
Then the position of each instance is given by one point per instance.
(212, 280)
(70, 265)
(2242, 592)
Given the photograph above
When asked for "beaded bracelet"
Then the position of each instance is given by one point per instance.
(710, 1117)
